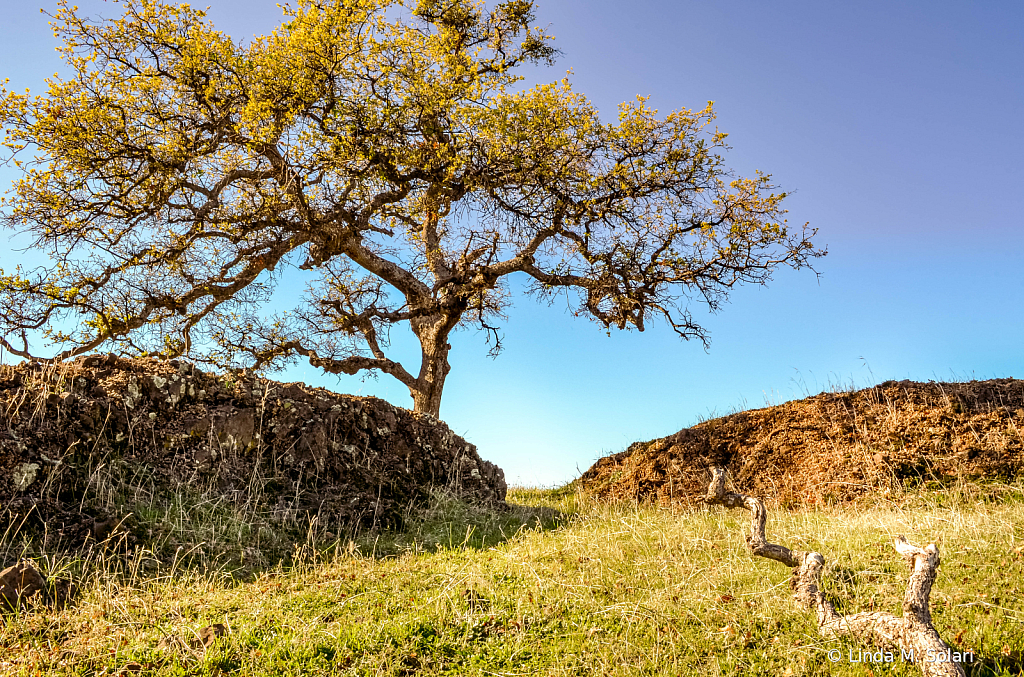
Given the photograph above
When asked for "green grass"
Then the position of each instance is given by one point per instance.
(559, 586)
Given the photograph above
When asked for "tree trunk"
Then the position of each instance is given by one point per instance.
(428, 399)
(434, 367)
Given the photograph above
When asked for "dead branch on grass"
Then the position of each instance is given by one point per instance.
(913, 633)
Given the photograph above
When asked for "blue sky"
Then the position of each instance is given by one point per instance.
(896, 124)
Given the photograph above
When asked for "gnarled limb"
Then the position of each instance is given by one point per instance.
(913, 633)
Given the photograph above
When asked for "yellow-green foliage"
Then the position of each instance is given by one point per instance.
(390, 146)
(606, 589)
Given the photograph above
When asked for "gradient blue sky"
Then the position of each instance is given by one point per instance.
(897, 124)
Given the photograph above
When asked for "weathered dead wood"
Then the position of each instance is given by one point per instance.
(913, 633)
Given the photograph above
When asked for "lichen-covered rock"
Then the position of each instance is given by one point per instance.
(357, 460)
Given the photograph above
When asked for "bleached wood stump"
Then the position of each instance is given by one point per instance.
(912, 634)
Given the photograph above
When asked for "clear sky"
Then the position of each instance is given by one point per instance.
(898, 126)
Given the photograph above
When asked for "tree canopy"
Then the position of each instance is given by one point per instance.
(388, 147)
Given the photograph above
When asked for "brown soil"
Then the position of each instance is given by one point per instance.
(74, 435)
(833, 446)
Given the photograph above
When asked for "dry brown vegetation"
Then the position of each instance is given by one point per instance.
(833, 446)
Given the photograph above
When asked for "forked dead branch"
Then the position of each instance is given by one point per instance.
(913, 633)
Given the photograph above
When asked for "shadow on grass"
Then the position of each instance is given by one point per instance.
(447, 522)
(1002, 664)
(193, 533)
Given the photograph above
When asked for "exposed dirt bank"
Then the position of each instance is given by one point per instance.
(76, 438)
(833, 446)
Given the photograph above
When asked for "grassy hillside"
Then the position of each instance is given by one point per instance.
(562, 585)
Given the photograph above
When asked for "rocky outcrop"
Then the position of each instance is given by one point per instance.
(69, 432)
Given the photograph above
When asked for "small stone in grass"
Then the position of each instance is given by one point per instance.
(18, 583)
(211, 632)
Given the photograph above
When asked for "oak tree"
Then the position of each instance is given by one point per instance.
(176, 178)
